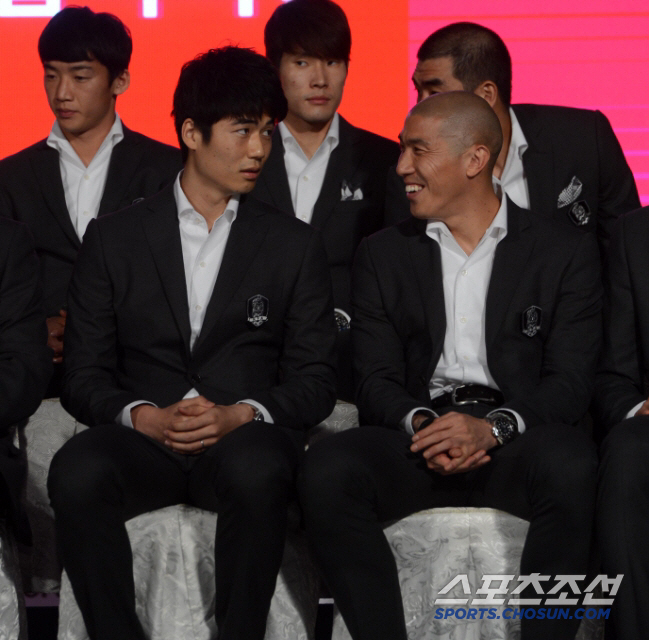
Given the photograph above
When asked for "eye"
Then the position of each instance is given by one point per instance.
(243, 131)
(333, 63)
(301, 63)
(267, 132)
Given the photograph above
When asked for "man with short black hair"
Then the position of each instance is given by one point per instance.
(199, 348)
(560, 162)
(90, 164)
(322, 169)
(476, 329)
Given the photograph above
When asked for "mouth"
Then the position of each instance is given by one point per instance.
(319, 100)
(413, 189)
(250, 173)
(64, 113)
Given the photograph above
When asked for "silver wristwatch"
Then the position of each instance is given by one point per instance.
(504, 426)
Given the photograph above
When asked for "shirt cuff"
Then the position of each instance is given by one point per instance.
(406, 423)
(264, 412)
(519, 419)
(635, 410)
(124, 417)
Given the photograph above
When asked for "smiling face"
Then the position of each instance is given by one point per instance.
(313, 88)
(435, 75)
(232, 159)
(432, 167)
(82, 96)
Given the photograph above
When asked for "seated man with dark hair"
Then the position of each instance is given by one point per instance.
(90, 164)
(476, 329)
(25, 361)
(199, 348)
(559, 162)
(622, 403)
(322, 169)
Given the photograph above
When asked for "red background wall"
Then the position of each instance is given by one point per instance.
(586, 53)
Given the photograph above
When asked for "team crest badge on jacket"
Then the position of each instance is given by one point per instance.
(257, 310)
(531, 321)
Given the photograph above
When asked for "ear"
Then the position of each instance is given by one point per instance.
(121, 82)
(190, 134)
(489, 91)
(477, 158)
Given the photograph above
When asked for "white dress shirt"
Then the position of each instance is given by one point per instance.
(203, 251)
(84, 186)
(513, 180)
(466, 282)
(305, 177)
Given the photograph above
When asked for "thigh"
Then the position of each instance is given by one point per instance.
(119, 465)
(376, 464)
(256, 459)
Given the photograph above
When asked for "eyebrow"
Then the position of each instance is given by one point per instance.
(76, 67)
(246, 121)
(429, 82)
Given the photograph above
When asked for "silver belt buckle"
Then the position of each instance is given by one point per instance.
(459, 403)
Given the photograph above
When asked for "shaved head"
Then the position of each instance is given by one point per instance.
(466, 120)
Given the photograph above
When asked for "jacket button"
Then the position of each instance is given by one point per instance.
(196, 378)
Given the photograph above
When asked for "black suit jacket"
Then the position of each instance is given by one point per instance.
(624, 368)
(128, 327)
(25, 361)
(564, 143)
(31, 190)
(399, 320)
(362, 159)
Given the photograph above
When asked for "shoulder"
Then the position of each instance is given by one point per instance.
(18, 161)
(151, 147)
(280, 224)
(372, 141)
(557, 118)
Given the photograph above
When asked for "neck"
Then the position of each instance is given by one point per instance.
(473, 218)
(506, 125)
(207, 198)
(309, 135)
(87, 144)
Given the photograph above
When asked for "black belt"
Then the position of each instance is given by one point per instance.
(468, 394)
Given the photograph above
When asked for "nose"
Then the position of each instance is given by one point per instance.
(404, 165)
(62, 92)
(319, 74)
(258, 146)
(422, 94)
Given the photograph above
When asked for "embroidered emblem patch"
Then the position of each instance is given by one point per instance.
(257, 310)
(531, 321)
(579, 213)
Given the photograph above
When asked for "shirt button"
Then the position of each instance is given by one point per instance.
(198, 307)
(203, 264)
(463, 320)
(464, 272)
(305, 178)
(86, 213)
(466, 357)
(86, 177)
(302, 217)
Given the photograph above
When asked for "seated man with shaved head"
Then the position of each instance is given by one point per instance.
(476, 330)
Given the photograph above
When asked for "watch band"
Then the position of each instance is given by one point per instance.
(258, 416)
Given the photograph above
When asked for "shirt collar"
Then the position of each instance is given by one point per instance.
(332, 137)
(518, 143)
(184, 206)
(497, 229)
(58, 141)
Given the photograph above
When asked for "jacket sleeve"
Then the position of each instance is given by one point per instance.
(25, 359)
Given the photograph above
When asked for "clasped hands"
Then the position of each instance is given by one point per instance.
(191, 425)
(454, 442)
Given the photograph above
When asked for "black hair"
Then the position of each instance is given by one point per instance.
(317, 28)
(78, 33)
(230, 82)
(478, 55)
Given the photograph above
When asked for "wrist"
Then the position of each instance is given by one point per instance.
(245, 412)
(141, 414)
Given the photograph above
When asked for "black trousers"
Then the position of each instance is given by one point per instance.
(623, 525)
(356, 480)
(109, 474)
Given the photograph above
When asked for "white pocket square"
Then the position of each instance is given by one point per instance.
(570, 193)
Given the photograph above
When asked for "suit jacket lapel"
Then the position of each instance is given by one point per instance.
(274, 180)
(246, 236)
(342, 165)
(511, 256)
(427, 265)
(538, 162)
(163, 235)
(124, 159)
(45, 163)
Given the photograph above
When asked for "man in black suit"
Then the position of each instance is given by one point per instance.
(199, 348)
(25, 361)
(322, 169)
(476, 328)
(621, 402)
(559, 162)
(90, 164)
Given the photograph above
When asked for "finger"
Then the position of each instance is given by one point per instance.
(57, 332)
(63, 313)
(193, 410)
(437, 463)
(445, 446)
(57, 359)
(430, 438)
(191, 447)
(458, 464)
(195, 435)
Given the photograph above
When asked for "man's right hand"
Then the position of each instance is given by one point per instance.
(153, 421)
(55, 329)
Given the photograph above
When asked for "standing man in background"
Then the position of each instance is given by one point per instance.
(322, 169)
(560, 162)
(89, 165)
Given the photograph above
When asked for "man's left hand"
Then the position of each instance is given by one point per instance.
(199, 429)
(455, 443)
